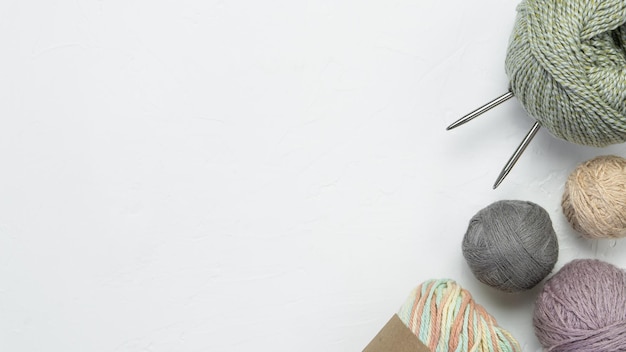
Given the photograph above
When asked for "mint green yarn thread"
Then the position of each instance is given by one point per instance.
(566, 63)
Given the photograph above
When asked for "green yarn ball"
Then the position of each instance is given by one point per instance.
(566, 62)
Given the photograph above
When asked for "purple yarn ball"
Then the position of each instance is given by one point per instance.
(583, 308)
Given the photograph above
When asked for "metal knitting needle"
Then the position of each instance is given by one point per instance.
(516, 155)
(481, 110)
(520, 149)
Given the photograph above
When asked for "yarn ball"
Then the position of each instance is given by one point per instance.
(594, 200)
(445, 318)
(511, 245)
(583, 308)
(565, 63)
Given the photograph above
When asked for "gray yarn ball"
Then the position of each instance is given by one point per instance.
(511, 245)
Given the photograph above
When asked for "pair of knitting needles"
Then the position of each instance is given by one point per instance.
(520, 149)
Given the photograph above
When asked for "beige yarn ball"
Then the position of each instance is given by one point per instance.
(594, 200)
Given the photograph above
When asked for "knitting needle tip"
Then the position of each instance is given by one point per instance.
(481, 110)
(516, 155)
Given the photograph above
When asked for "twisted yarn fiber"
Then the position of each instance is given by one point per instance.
(445, 318)
(511, 245)
(567, 65)
(583, 308)
(594, 200)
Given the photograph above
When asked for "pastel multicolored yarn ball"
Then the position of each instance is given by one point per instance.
(445, 317)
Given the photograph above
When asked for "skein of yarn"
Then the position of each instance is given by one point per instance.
(565, 63)
(594, 200)
(511, 245)
(583, 308)
(445, 318)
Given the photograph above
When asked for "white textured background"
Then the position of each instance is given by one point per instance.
(191, 175)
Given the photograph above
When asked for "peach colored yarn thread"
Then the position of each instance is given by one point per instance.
(594, 200)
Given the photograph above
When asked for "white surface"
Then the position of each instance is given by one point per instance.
(252, 175)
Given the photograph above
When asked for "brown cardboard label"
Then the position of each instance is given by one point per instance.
(396, 337)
